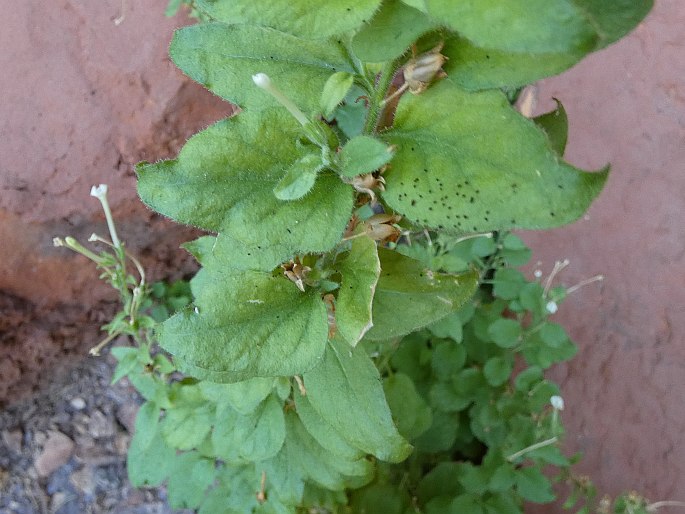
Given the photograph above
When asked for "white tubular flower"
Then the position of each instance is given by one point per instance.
(557, 402)
(263, 81)
(99, 192)
(552, 307)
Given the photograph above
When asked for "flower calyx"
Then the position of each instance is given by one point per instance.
(379, 227)
(296, 272)
(421, 70)
(367, 184)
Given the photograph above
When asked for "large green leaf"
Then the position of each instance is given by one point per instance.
(244, 396)
(187, 424)
(390, 32)
(555, 125)
(409, 297)
(359, 269)
(149, 458)
(302, 459)
(346, 391)
(189, 478)
(307, 18)
(536, 26)
(223, 181)
(614, 19)
(234, 492)
(246, 324)
(249, 437)
(469, 162)
(223, 58)
(476, 68)
(323, 431)
(411, 413)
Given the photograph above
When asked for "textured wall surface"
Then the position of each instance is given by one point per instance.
(624, 391)
(82, 100)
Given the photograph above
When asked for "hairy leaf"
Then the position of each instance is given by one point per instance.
(149, 457)
(346, 391)
(261, 326)
(555, 124)
(351, 115)
(217, 185)
(200, 248)
(416, 4)
(468, 162)
(505, 333)
(186, 428)
(334, 91)
(535, 26)
(533, 485)
(409, 297)
(223, 58)
(189, 478)
(256, 436)
(324, 433)
(388, 35)
(410, 412)
(244, 396)
(614, 19)
(302, 459)
(359, 269)
(299, 178)
(475, 68)
(308, 18)
(363, 154)
(234, 492)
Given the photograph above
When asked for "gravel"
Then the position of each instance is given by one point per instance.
(64, 451)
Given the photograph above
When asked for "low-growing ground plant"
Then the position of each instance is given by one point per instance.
(358, 338)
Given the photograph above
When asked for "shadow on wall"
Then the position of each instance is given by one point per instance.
(102, 97)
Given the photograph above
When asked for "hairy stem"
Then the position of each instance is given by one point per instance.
(376, 101)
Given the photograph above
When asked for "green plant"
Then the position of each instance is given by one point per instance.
(358, 339)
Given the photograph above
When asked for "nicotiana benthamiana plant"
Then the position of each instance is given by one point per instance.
(358, 339)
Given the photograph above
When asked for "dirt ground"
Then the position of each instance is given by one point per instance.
(63, 451)
(87, 93)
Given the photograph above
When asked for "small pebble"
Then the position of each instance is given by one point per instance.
(78, 403)
(56, 452)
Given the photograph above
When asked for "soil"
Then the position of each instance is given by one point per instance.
(64, 451)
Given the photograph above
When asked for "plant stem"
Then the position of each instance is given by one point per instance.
(653, 507)
(95, 350)
(536, 446)
(376, 100)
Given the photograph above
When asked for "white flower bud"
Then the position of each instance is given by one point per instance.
(557, 402)
(99, 191)
(552, 307)
(263, 81)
